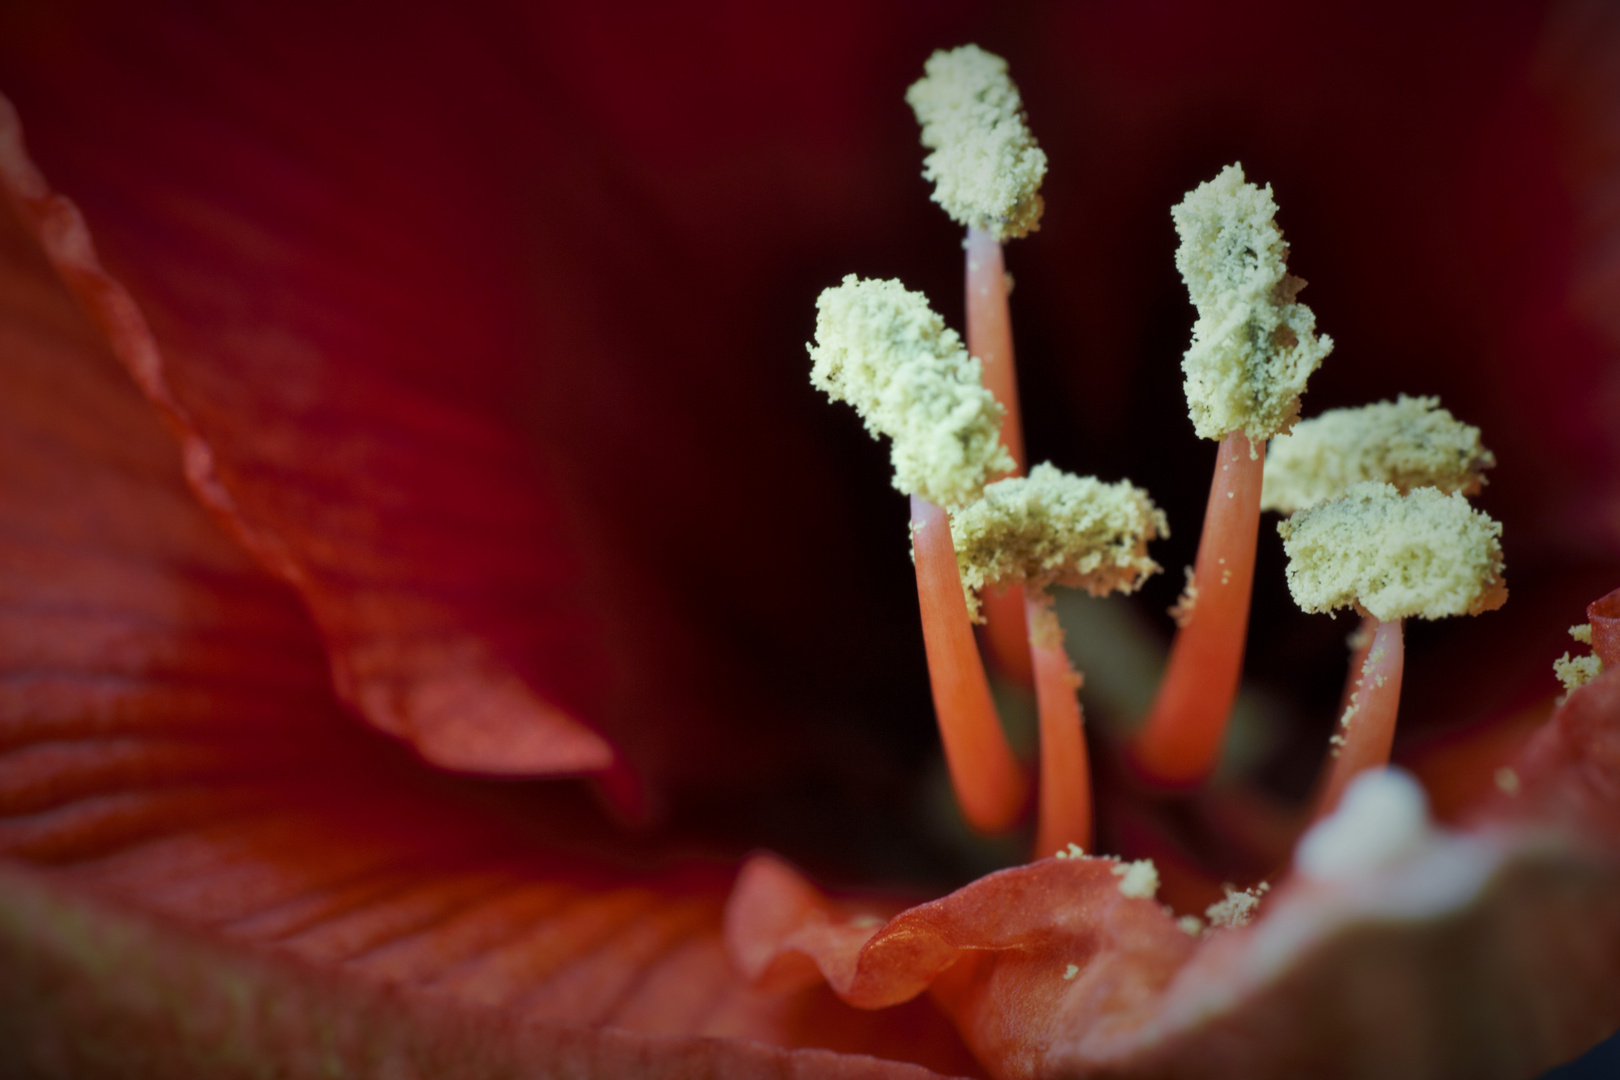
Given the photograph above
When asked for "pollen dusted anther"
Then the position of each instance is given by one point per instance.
(1055, 528)
(1253, 348)
(986, 166)
(881, 348)
(1408, 443)
(1396, 556)
(1253, 345)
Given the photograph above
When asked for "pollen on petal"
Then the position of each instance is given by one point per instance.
(1238, 908)
(1055, 528)
(1397, 556)
(1253, 346)
(1408, 443)
(1139, 879)
(985, 165)
(1577, 671)
(880, 347)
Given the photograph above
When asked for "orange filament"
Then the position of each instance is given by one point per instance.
(989, 783)
(1360, 645)
(1181, 738)
(1065, 793)
(1006, 636)
(1367, 727)
(989, 334)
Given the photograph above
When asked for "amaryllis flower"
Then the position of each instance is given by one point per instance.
(428, 572)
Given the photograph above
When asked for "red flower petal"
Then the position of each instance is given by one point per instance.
(403, 663)
(1048, 970)
(1604, 616)
(393, 307)
(191, 798)
(90, 991)
(1010, 934)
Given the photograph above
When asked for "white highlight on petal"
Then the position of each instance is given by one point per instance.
(1382, 820)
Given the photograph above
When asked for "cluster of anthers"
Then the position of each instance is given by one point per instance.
(1374, 499)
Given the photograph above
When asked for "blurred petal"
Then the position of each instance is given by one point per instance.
(91, 991)
(182, 797)
(441, 363)
(1492, 953)
(1604, 616)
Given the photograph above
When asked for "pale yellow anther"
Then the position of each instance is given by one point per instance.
(1253, 346)
(882, 349)
(985, 165)
(1396, 556)
(1409, 443)
(1055, 528)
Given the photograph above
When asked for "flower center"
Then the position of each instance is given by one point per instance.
(1377, 496)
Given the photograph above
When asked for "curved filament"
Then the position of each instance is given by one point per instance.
(988, 780)
(989, 334)
(1065, 791)
(1366, 727)
(1181, 738)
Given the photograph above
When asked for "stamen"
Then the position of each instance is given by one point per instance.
(881, 348)
(1179, 741)
(1055, 528)
(989, 329)
(989, 784)
(1065, 791)
(987, 171)
(1360, 642)
(1253, 345)
(986, 166)
(1366, 729)
(1394, 555)
(989, 333)
(1047, 529)
(1409, 443)
(1391, 556)
(1253, 348)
